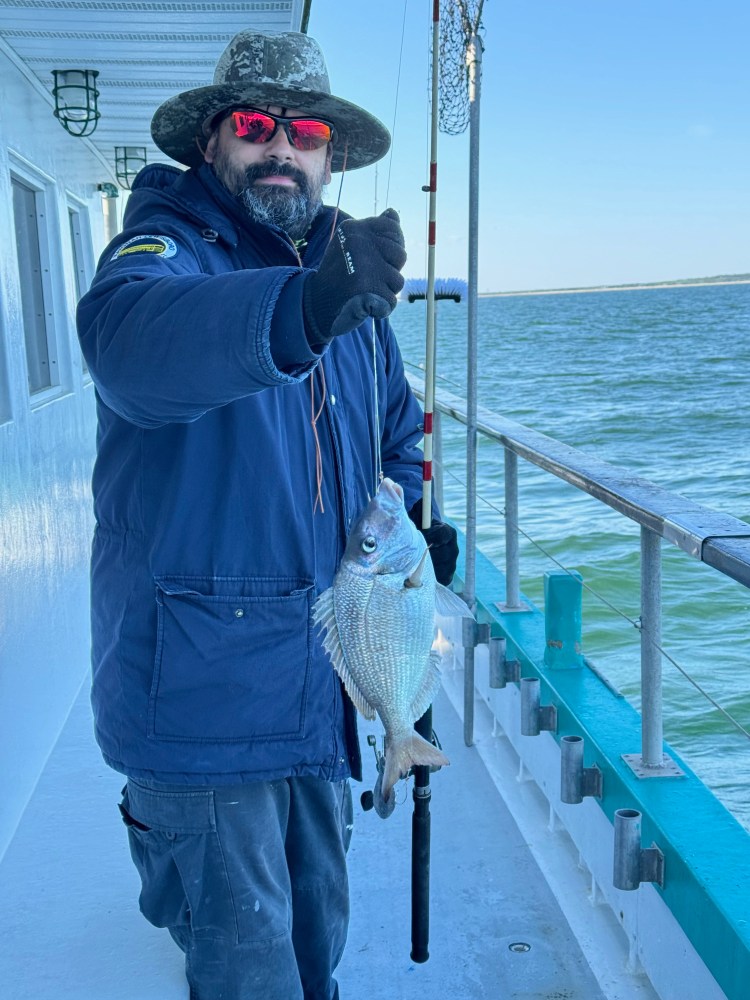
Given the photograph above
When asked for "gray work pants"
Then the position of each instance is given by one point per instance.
(250, 881)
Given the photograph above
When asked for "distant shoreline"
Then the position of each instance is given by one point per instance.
(618, 288)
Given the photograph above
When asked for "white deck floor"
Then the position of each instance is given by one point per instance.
(71, 929)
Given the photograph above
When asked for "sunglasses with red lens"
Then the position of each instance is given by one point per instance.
(261, 126)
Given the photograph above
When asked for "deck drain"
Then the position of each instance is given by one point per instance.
(519, 946)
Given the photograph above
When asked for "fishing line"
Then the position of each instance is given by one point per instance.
(314, 417)
(376, 401)
(395, 107)
(443, 378)
(635, 622)
(376, 410)
(555, 376)
(338, 199)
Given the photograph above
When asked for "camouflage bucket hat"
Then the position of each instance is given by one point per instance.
(286, 69)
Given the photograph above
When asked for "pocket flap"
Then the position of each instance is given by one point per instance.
(232, 658)
(230, 587)
(188, 811)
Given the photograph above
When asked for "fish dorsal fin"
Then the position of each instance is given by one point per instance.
(429, 689)
(324, 615)
(449, 604)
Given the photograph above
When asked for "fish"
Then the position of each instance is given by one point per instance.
(378, 620)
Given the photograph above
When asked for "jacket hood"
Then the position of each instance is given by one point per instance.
(161, 186)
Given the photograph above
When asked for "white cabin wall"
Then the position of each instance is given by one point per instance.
(46, 449)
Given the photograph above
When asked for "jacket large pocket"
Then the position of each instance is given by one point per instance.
(232, 658)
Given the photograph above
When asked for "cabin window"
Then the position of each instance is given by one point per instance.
(78, 220)
(5, 407)
(76, 241)
(30, 226)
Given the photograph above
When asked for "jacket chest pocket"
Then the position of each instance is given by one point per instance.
(232, 658)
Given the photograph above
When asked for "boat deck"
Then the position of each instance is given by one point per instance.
(72, 930)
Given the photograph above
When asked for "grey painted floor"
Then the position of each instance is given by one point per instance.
(71, 929)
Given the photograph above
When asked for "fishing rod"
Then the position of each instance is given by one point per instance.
(421, 821)
(431, 188)
(422, 793)
(420, 851)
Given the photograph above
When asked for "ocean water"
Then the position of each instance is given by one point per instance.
(656, 381)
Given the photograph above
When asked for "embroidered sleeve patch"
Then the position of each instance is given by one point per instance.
(163, 246)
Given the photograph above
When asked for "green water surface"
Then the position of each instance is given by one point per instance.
(655, 381)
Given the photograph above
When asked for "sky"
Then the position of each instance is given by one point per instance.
(614, 137)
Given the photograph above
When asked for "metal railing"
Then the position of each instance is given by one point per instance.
(717, 539)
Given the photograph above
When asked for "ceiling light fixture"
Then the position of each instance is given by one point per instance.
(128, 161)
(76, 98)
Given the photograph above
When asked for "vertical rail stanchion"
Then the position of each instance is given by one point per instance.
(512, 573)
(474, 64)
(469, 695)
(652, 734)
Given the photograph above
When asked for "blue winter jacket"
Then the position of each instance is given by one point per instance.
(209, 551)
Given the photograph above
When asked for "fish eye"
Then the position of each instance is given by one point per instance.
(369, 544)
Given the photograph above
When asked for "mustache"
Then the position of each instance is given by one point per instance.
(255, 171)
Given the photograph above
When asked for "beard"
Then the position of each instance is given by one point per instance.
(291, 209)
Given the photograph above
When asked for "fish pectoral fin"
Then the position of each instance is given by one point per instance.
(414, 579)
(449, 604)
(429, 689)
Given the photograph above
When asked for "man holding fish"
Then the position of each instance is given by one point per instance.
(249, 393)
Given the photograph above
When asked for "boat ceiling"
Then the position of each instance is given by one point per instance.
(144, 52)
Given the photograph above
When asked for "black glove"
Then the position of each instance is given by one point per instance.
(359, 276)
(443, 544)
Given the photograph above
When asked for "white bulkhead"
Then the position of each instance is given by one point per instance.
(52, 231)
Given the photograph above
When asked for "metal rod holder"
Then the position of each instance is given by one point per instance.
(469, 697)
(472, 634)
(632, 863)
(502, 670)
(577, 781)
(497, 662)
(535, 717)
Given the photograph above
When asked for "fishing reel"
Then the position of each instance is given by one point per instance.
(374, 799)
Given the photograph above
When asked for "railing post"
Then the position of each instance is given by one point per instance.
(651, 762)
(652, 734)
(512, 574)
(473, 62)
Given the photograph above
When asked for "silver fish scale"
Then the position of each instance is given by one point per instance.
(385, 631)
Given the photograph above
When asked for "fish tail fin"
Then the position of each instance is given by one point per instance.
(404, 754)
